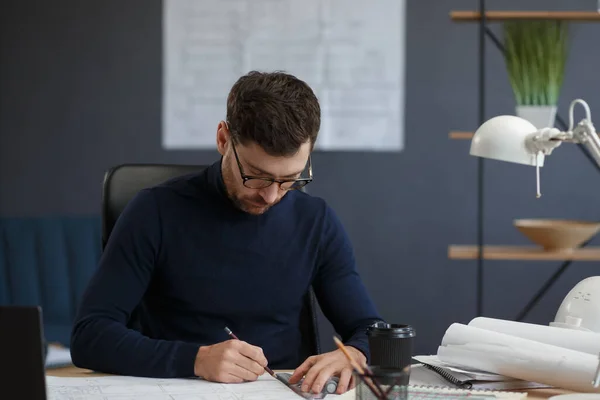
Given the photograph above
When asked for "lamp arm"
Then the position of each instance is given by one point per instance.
(588, 114)
(542, 142)
(585, 134)
(547, 139)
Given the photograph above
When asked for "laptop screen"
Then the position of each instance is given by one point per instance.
(22, 373)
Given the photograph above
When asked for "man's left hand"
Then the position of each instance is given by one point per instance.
(316, 370)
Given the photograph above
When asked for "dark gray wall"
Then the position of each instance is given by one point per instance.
(80, 88)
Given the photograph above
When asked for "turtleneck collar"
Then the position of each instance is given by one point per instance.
(215, 179)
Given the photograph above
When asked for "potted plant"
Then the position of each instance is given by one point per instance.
(536, 54)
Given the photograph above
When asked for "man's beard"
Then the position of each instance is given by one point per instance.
(258, 205)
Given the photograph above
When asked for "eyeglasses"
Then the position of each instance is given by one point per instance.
(256, 182)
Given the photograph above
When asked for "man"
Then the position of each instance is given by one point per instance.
(236, 245)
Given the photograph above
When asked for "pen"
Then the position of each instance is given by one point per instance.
(232, 335)
(270, 371)
(279, 377)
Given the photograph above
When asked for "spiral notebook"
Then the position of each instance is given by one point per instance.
(432, 372)
(440, 393)
(431, 392)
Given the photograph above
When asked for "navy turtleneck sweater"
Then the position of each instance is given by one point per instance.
(196, 264)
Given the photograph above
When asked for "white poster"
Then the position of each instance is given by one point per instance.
(351, 52)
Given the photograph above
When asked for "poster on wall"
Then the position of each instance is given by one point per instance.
(351, 54)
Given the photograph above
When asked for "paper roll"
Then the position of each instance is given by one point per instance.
(519, 358)
(587, 342)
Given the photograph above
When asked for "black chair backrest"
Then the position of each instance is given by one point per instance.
(123, 182)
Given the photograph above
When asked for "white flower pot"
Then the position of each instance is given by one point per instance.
(540, 116)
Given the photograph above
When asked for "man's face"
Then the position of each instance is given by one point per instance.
(256, 162)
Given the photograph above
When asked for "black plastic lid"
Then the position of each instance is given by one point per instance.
(395, 331)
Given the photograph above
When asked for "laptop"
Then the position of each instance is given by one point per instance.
(22, 372)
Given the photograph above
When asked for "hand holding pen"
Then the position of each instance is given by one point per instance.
(232, 335)
(233, 361)
(270, 371)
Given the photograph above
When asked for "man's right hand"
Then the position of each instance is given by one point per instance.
(233, 361)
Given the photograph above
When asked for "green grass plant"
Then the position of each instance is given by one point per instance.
(536, 54)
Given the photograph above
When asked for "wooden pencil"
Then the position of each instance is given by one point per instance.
(233, 336)
(377, 391)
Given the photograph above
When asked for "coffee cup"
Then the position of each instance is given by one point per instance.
(391, 345)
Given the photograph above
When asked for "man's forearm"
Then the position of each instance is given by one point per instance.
(360, 342)
(107, 346)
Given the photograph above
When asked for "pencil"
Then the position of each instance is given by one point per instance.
(377, 391)
(232, 335)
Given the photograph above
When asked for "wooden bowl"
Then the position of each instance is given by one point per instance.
(557, 234)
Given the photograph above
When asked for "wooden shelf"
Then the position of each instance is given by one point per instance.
(526, 253)
(468, 16)
(460, 135)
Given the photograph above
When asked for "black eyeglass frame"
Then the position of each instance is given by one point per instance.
(297, 183)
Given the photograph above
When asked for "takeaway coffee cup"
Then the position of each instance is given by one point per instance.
(391, 345)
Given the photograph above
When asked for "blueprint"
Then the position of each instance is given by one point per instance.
(352, 56)
(133, 388)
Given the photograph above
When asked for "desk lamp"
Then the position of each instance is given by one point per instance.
(514, 139)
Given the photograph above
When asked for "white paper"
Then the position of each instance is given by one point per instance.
(519, 358)
(351, 55)
(58, 357)
(134, 388)
(587, 342)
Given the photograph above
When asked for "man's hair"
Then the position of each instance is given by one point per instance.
(276, 110)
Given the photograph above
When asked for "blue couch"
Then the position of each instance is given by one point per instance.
(48, 262)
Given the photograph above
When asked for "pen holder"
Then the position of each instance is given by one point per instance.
(383, 384)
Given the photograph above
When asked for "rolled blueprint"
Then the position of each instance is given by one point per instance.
(519, 358)
(587, 342)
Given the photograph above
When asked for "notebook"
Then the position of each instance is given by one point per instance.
(442, 393)
(431, 371)
(430, 392)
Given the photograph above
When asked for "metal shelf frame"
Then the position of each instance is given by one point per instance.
(484, 33)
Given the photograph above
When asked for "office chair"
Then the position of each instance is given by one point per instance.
(123, 182)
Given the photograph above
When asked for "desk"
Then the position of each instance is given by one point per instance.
(535, 394)
(71, 372)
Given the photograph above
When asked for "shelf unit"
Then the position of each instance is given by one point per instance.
(482, 251)
(460, 135)
(530, 253)
(578, 16)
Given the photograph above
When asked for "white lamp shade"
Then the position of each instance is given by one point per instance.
(504, 138)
